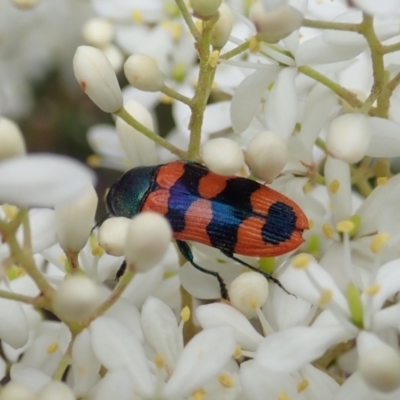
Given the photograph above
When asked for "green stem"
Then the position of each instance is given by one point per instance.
(188, 19)
(236, 51)
(391, 48)
(19, 297)
(378, 67)
(335, 87)
(114, 296)
(203, 89)
(64, 362)
(123, 114)
(175, 95)
(336, 26)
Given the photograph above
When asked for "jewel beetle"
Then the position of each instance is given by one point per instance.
(233, 214)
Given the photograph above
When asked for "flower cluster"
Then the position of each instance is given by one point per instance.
(303, 96)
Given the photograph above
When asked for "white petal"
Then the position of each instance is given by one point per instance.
(13, 323)
(160, 329)
(115, 385)
(219, 314)
(317, 51)
(217, 117)
(260, 383)
(385, 140)
(85, 367)
(202, 359)
(42, 180)
(116, 347)
(337, 172)
(354, 388)
(287, 351)
(248, 94)
(321, 385)
(281, 114)
(29, 377)
(385, 8)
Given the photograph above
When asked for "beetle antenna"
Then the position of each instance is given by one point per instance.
(108, 215)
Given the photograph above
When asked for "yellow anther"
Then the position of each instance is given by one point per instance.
(15, 272)
(345, 226)
(373, 289)
(283, 396)
(93, 161)
(225, 380)
(302, 261)
(325, 298)
(214, 85)
(63, 258)
(185, 314)
(82, 371)
(334, 186)
(237, 353)
(311, 224)
(159, 361)
(199, 394)
(382, 180)
(213, 59)
(199, 25)
(378, 242)
(328, 231)
(137, 16)
(97, 251)
(302, 385)
(254, 44)
(174, 28)
(166, 99)
(307, 188)
(254, 303)
(10, 211)
(52, 348)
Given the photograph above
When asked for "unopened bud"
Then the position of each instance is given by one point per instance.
(248, 292)
(266, 155)
(112, 235)
(143, 73)
(15, 391)
(97, 78)
(223, 156)
(223, 27)
(12, 143)
(348, 137)
(25, 4)
(56, 390)
(76, 298)
(74, 220)
(275, 24)
(98, 32)
(379, 364)
(147, 240)
(205, 8)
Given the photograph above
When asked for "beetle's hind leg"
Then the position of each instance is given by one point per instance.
(121, 270)
(187, 253)
(266, 274)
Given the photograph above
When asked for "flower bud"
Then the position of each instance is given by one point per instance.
(11, 139)
(205, 8)
(76, 298)
(98, 32)
(112, 235)
(266, 155)
(379, 364)
(15, 391)
(348, 137)
(147, 240)
(140, 150)
(56, 390)
(222, 29)
(97, 78)
(223, 156)
(248, 292)
(74, 220)
(143, 73)
(114, 55)
(276, 24)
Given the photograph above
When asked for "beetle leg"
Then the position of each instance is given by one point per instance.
(266, 274)
(187, 253)
(120, 271)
